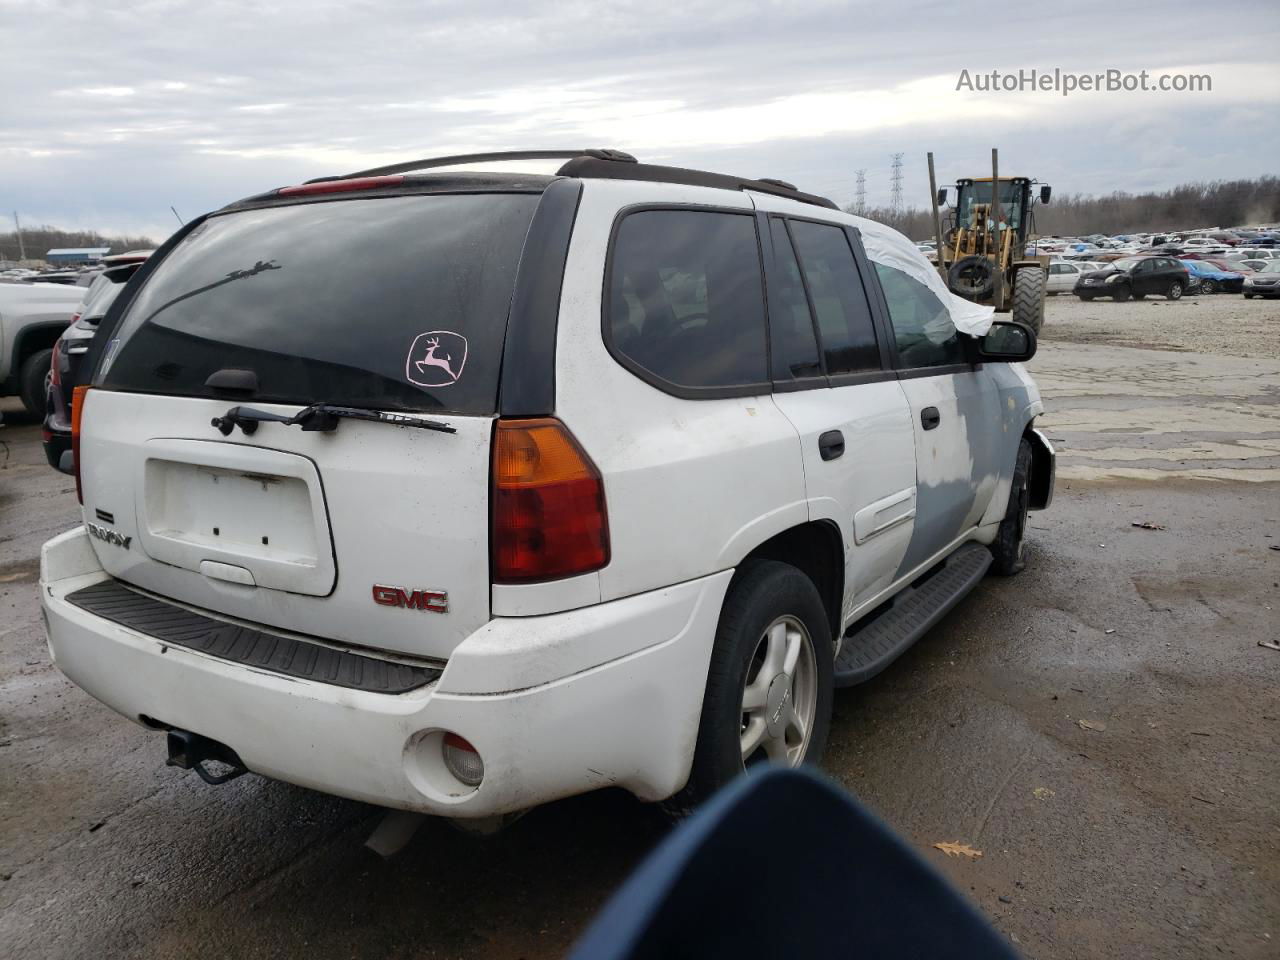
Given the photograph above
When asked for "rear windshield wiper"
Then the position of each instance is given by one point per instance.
(321, 417)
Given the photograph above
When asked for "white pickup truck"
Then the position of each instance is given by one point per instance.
(32, 317)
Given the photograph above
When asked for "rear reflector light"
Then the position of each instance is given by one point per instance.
(462, 760)
(549, 516)
(338, 186)
(77, 410)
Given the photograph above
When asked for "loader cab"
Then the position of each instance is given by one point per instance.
(1015, 203)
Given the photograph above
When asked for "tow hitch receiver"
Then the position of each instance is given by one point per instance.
(190, 751)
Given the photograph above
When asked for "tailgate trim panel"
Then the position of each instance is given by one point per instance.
(287, 656)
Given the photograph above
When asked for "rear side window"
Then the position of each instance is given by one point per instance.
(395, 303)
(685, 300)
(839, 300)
(922, 325)
(792, 342)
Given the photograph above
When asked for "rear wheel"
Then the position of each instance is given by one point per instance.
(1007, 546)
(1207, 286)
(769, 685)
(1028, 297)
(31, 378)
(1175, 291)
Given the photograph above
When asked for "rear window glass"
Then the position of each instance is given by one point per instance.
(103, 293)
(395, 303)
(686, 298)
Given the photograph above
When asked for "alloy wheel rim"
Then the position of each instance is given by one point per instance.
(779, 696)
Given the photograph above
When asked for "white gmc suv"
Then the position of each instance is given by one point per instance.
(463, 491)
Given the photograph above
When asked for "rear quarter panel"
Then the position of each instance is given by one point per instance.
(691, 485)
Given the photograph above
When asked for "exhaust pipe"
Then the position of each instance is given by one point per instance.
(190, 751)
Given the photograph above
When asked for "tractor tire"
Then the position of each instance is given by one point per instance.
(1028, 297)
(973, 278)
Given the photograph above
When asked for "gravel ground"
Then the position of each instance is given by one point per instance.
(1223, 324)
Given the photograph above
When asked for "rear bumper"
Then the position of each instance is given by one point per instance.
(630, 721)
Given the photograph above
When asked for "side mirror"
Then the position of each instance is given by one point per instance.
(1008, 342)
(1046, 192)
(942, 196)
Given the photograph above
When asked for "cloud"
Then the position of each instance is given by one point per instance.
(160, 102)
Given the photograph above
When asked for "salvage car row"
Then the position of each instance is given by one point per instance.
(1168, 276)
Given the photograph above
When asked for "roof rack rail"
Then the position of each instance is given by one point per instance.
(591, 167)
(616, 156)
(603, 164)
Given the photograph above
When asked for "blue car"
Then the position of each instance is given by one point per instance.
(1212, 279)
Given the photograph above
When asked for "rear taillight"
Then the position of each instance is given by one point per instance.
(55, 361)
(549, 515)
(77, 410)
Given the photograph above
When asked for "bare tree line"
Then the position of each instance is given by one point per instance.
(38, 241)
(1191, 206)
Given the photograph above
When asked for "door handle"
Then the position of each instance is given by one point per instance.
(831, 444)
(930, 418)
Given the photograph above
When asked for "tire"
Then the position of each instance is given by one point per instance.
(1028, 297)
(766, 600)
(1120, 296)
(1248, 296)
(31, 379)
(1175, 291)
(1207, 286)
(1006, 549)
(973, 278)
(1139, 296)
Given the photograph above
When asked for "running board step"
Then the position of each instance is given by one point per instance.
(915, 610)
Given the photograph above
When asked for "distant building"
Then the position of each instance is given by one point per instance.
(71, 255)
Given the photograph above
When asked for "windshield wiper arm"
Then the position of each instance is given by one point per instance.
(321, 417)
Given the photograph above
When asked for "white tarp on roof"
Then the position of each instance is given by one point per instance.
(886, 245)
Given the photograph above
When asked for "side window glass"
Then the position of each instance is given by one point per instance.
(922, 325)
(792, 342)
(839, 300)
(686, 297)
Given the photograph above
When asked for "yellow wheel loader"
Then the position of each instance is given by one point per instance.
(982, 255)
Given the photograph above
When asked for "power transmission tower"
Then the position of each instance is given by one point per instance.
(895, 179)
(860, 193)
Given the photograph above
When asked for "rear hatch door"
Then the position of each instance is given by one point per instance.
(370, 533)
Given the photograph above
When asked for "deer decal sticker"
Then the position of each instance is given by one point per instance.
(436, 359)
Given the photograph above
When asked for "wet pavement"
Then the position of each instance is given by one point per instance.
(1104, 727)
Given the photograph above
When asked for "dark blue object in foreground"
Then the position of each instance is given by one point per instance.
(782, 865)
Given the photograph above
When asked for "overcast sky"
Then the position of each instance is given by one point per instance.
(111, 111)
